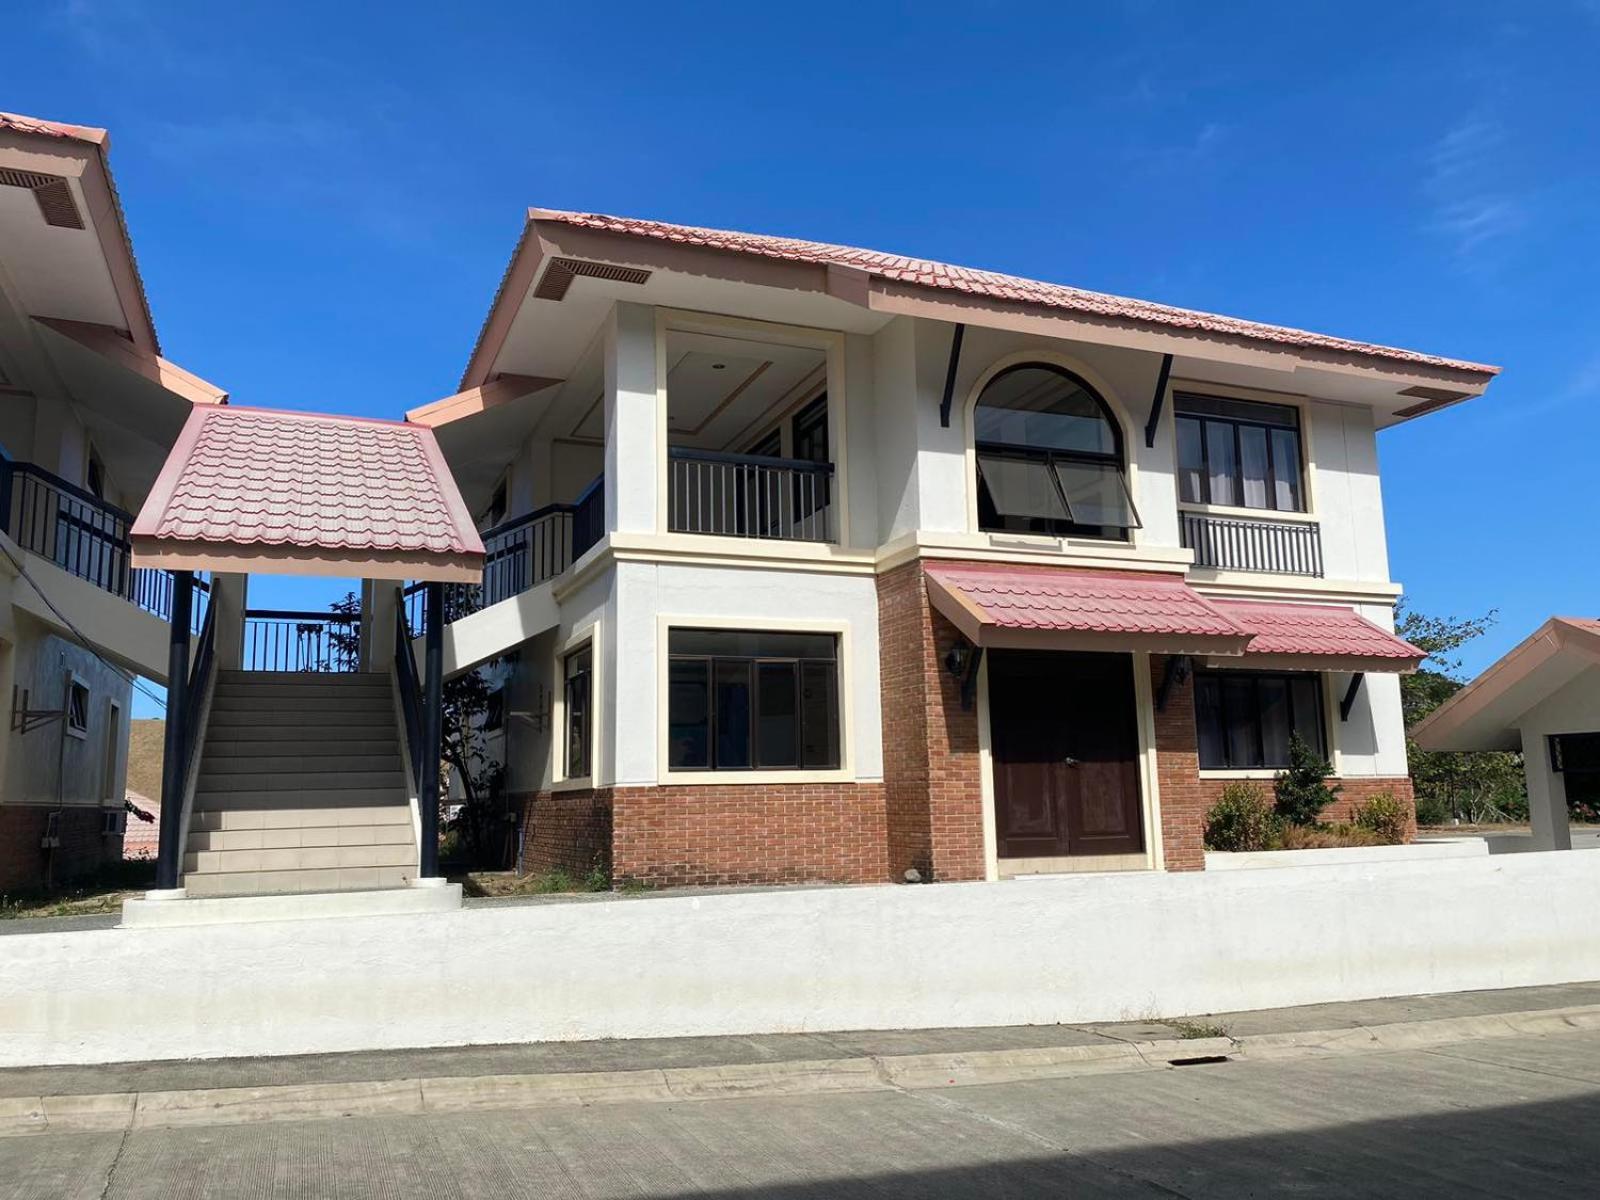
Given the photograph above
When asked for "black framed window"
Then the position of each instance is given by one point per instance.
(742, 700)
(1244, 719)
(577, 694)
(1239, 453)
(77, 708)
(1050, 457)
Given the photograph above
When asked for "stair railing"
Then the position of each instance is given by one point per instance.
(196, 715)
(410, 687)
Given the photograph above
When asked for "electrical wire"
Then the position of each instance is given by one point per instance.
(84, 639)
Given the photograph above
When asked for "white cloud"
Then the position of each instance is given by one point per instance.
(1470, 206)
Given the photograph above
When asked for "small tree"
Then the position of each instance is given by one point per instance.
(1302, 790)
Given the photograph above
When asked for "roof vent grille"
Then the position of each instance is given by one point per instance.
(52, 192)
(558, 276)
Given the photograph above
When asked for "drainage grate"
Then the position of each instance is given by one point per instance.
(1200, 1060)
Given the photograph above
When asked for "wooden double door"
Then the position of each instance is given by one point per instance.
(1064, 740)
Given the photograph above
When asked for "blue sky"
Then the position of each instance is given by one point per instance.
(323, 196)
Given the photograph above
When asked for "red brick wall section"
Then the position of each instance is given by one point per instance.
(566, 831)
(1186, 797)
(24, 865)
(932, 781)
(750, 833)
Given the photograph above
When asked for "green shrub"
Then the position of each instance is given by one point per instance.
(1433, 810)
(1302, 791)
(1386, 816)
(1241, 820)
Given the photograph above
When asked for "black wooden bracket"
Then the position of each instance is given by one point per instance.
(1178, 668)
(1350, 693)
(950, 375)
(1157, 401)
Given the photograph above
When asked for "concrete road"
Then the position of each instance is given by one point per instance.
(1508, 1117)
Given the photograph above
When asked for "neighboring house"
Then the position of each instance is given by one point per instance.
(814, 563)
(88, 411)
(1542, 698)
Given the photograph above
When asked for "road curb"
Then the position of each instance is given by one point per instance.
(116, 1112)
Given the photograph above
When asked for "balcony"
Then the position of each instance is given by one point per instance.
(1269, 547)
(519, 555)
(84, 536)
(749, 496)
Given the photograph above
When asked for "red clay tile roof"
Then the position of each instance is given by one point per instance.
(1315, 629)
(78, 133)
(253, 477)
(994, 286)
(1022, 597)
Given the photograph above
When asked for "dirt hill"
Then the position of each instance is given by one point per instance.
(144, 756)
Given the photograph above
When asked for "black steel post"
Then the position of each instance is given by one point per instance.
(175, 754)
(432, 729)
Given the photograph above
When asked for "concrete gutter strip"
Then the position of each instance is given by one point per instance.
(136, 1110)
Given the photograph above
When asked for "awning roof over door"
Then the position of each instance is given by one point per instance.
(1067, 609)
(254, 489)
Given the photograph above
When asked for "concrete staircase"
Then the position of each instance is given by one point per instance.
(301, 788)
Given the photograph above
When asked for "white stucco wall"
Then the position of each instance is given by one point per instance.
(1572, 708)
(887, 957)
(647, 592)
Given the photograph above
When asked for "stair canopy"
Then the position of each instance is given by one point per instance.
(255, 489)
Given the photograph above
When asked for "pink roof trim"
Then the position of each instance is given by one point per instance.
(78, 133)
(1057, 598)
(1316, 629)
(293, 481)
(992, 285)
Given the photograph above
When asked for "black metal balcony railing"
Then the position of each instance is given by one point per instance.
(519, 555)
(1241, 544)
(749, 496)
(291, 640)
(84, 536)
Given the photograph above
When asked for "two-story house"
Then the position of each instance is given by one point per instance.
(88, 412)
(815, 563)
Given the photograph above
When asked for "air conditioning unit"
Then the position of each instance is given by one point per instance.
(52, 832)
(116, 823)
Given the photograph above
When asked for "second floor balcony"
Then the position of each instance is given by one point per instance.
(749, 496)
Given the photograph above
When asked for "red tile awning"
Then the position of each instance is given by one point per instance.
(253, 489)
(1001, 604)
(1060, 608)
(1325, 637)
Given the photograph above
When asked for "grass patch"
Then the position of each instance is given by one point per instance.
(1191, 1031)
(88, 896)
(545, 883)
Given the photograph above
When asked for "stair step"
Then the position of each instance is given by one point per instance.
(301, 817)
(217, 751)
(255, 883)
(276, 765)
(296, 781)
(334, 702)
(268, 678)
(290, 837)
(236, 692)
(341, 716)
(300, 858)
(310, 799)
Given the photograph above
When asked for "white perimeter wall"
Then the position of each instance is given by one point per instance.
(887, 957)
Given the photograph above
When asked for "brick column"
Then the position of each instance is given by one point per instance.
(933, 788)
(1184, 798)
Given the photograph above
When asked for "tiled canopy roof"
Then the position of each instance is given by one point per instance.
(304, 488)
(1036, 599)
(998, 603)
(992, 285)
(1316, 629)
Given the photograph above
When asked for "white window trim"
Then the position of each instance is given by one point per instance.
(843, 773)
(1119, 412)
(114, 755)
(830, 342)
(583, 635)
(74, 680)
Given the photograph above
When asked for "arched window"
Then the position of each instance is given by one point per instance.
(1050, 457)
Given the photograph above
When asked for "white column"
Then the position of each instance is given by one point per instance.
(229, 594)
(1547, 795)
(380, 605)
(633, 455)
